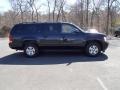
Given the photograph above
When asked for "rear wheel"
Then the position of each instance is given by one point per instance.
(93, 49)
(31, 50)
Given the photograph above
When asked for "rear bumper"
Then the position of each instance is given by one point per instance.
(14, 46)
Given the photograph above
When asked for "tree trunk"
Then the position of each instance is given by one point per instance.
(108, 18)
(87, 12)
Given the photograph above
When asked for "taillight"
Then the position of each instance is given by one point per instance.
(10, 39)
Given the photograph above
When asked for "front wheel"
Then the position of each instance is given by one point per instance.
(93, 49)
(31, 50)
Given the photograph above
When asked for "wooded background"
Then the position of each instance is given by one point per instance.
(103, 15)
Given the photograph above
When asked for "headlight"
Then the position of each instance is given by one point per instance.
(105, 39)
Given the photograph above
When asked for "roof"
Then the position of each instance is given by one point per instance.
(44, 22)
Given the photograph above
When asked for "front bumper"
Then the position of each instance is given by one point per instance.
(105, 45)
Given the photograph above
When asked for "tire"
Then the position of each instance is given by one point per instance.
(93, 49)
(31, 50)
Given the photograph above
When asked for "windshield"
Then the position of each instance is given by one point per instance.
(80, 29)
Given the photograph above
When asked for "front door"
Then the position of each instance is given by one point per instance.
(72, 36)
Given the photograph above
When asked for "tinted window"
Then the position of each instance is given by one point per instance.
(40, 28)
(16, 29)
(30, 29)
(51, 28)
(54, 29)
(69, 29)
(25, 29)
(43, 28)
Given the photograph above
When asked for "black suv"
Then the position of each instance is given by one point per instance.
(34, 37)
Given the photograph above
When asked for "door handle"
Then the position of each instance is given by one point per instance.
(45, 36)
(64, 39)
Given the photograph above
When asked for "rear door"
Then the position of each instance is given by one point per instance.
(50, 34)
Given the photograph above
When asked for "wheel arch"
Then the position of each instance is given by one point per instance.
(95, 41)
(29, 42)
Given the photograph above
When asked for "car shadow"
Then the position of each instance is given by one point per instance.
(49, 58)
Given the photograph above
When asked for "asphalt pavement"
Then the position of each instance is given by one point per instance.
(60, 71)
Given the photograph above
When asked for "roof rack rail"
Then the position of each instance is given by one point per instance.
(27, 22)
(42, 22)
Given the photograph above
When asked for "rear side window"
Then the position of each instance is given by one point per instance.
(51, 29)
(43, 28)
(40, 28)
(16, 29)
(30, 29)
(24, 29)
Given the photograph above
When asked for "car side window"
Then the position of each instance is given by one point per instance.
(51, 29)
(17, 29)
(69, 29)
(30, 29)
(25, 29)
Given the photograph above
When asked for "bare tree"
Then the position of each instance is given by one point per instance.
(82, 18)
(109, 5)
(48, 4)
(37, 12)
(87, 12)
(101, 14)
(15, 11)
(21, 6)
(60, 9)
(54, 9)
(31, 3)
(96, 13)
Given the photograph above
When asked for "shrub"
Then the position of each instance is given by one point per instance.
(4, 31)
